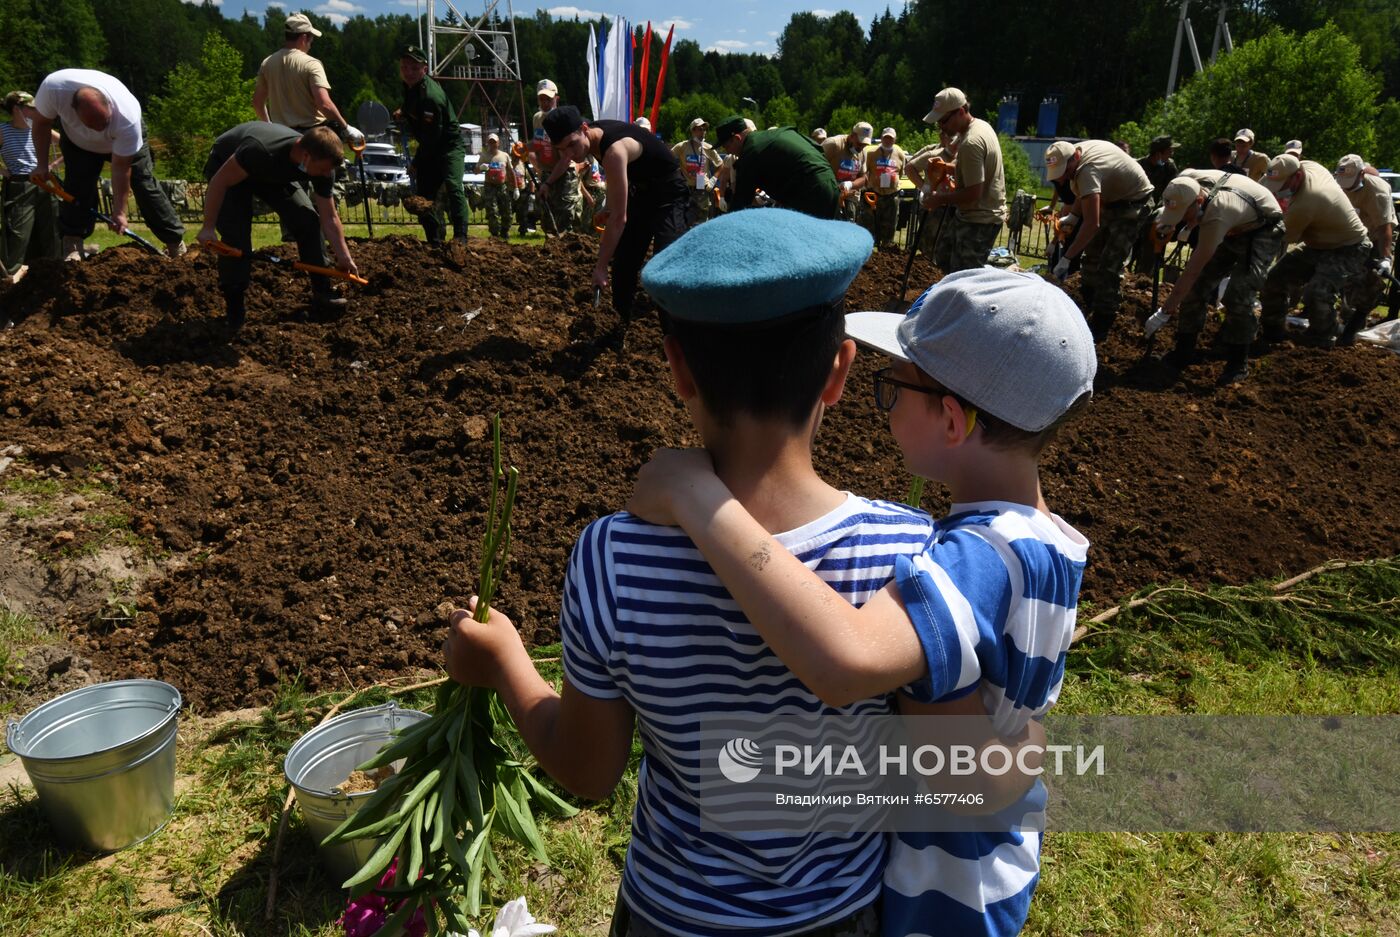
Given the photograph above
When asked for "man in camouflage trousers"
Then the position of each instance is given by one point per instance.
(1111, 195)
(1334, 253)
(498, 188)
(978, 196)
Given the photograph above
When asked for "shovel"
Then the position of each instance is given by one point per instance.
(899, 303)
(219, 247)
(364, 185)
(52, 187)
(1157, 266)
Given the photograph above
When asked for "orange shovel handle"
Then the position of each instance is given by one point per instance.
(219, 247)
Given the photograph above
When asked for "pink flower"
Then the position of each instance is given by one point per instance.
(366, 914)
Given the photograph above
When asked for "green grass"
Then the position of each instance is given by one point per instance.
(1333, 646)
(18, 633)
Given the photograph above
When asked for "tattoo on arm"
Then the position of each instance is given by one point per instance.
(759, 558)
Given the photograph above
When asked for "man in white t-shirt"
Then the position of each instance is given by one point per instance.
(100, 121)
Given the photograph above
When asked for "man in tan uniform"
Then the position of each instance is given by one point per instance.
(1111, 194)
(1247, 158)
(1370, 195)
(1239, 229)
(1335, 247)
(979, 183)
(699, 164)
(883, 166)
(927, 169)
(846, 154)
(292, 89)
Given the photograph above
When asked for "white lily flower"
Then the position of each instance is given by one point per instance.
(515, 920)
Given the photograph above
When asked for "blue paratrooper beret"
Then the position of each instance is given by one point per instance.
(756, 266)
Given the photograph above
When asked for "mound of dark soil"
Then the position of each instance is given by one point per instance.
(325, 479)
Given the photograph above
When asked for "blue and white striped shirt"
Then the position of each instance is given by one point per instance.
(645, 619)
(993, 600)
(17, 150)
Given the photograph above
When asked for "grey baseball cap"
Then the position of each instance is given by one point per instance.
(1011, 344)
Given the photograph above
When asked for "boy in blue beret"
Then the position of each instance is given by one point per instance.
(984, 370)
(752, 310)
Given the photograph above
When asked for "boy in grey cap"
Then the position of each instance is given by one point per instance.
(986, 367)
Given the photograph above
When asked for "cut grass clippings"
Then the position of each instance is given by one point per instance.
(1334, 647)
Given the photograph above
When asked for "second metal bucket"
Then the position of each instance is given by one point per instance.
(323, 758)
(102, 760)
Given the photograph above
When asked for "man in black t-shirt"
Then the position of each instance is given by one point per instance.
(647, 201)
(267, 160)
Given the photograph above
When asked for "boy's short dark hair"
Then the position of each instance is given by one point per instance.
(1000, 434)
(1222, 147)
(322, 143)
(774, 371)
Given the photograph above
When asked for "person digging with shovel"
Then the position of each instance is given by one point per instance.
(267, 161)
(1240, 229)
(647, 201)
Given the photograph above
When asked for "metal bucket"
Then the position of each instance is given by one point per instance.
(102, 759)
(323, 758)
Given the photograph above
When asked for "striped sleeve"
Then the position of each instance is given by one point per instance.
(587, 614)
(958, 594)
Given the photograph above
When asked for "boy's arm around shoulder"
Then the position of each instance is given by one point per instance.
(842, 654)
(583, 742)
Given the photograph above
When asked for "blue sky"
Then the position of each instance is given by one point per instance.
(724, 25)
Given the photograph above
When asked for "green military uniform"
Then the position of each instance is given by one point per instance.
(790, 168)
(439, 161)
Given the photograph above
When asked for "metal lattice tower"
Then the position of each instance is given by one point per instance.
(483, 54)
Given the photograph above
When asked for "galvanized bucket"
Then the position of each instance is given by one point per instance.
(323, 758)
(102, 759)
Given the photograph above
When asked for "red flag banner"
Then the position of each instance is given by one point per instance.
(646, 68)
(661, 76)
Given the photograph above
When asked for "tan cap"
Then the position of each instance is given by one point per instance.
(300, 23)
(1057, 157)
(1349, 170)
(1294, 146)
(1281, 169)
(643, 123)
(750, 124)
(1246, 135)
(863, 131)
(546, 87)
(16, 98)
(492, 138)
(889, 132)
(819, 134)
(698, 122)
(944, 103)
(1179, 195)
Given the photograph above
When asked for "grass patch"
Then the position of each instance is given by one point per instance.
(1330, 648)
(18, 633)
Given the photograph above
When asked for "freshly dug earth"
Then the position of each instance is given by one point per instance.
(324, 481)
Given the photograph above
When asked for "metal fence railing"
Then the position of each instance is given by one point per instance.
(1024, 236)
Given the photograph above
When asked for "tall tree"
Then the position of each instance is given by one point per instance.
(204, 100)
(41, 36)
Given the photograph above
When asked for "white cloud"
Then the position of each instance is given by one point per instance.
(565, 13)
(677, 22)
(339, 19)
(773, 33)
(742, 31)
(339, 6)
(761, 42)
(823, 14)
(727, 45)
(217, 3)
